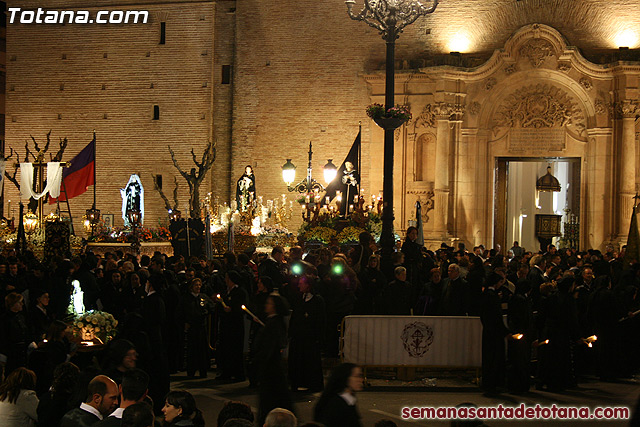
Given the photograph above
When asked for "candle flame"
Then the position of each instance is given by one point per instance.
(518, 336)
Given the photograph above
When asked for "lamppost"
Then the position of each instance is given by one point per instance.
(134, 219)
(308, 184)
(389, 17)
(93, 217)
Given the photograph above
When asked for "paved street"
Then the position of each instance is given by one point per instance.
(385, 398)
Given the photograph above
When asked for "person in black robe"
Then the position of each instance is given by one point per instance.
(231, 327)
(519, 319)
(493, 334)
(412, 257)
(14, 334)
(155, 315)
(306, 329)
(337, 404)
(604, 312)
(373, 283)
(193, 313)
(256, 305)
(561, 329)
(39, 316)
(398, 295)
(271, 340)
(246, 189)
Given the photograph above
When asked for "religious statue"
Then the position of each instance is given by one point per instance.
(350, 180)
(76, 305)
(246, 189)
(132, 199)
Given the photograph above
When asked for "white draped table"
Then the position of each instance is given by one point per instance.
(412, 341)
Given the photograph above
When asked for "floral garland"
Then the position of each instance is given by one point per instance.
(95, 324)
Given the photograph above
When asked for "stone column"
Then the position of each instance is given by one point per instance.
(443, 112)
(627, 174)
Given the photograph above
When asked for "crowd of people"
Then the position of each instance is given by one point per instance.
(568, 314)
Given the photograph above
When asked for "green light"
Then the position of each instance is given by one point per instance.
(338, 269)
(296, 269)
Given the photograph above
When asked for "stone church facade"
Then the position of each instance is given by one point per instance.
(532, 79)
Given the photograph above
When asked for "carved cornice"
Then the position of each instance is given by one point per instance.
(539, 106)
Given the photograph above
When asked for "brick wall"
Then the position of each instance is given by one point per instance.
(297, 76)
(72, 79)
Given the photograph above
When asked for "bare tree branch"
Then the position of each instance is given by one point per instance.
(46, 147)
(175, 193)
(63, 146)
(35, 143)
(10, 155)
(159, 190)
(175, 163)
(195, 177)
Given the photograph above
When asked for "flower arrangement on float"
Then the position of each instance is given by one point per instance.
(258, 223)
(106, 234)
(94, 325)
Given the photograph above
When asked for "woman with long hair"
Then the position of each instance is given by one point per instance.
(57, 401)
(18, 400)
(270, 341)
(180, 410)
(337, 404)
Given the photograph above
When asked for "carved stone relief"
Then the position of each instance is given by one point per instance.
(539, 106)
(627, 108)
(510, 69)
(426, 118)
(565, 67)
(586, 83)
(474, 108)
(490, 83)
(537, 50)
(426, 201)
(601, 106)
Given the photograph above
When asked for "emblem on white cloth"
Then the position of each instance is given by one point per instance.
(416, 338)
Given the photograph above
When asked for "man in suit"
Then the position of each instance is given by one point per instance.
(102, 399)
(133, 389)
(455, 294)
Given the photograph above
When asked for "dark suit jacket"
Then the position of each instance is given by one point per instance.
(78, 418)
(109, 422)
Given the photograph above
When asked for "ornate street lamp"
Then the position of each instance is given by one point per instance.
(390, 17)
(308, 184)
(93, 217)
(133, 215)
(330, 172)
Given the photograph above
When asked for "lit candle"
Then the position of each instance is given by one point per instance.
(252, 315)
(517, 336)
(221, 300)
